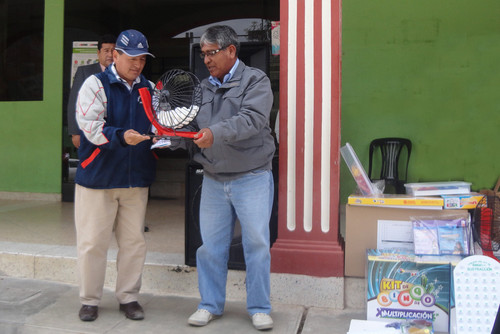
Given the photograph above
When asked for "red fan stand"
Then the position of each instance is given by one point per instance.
(162, 131)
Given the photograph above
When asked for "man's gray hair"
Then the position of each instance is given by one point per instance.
(221, 35)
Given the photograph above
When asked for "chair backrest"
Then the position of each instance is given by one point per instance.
(390, 149)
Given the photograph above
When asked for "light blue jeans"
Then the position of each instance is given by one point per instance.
(250, 199)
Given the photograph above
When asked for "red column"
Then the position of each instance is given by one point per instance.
(308, 241)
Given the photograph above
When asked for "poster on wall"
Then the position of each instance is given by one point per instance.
(275, 38)
(84, 53)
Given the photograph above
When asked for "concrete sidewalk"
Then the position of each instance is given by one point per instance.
(35, 306)
(38, 291)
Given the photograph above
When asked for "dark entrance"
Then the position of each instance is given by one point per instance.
(169, 26)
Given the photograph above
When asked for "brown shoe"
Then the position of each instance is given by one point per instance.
(133, 310)
(88, 313)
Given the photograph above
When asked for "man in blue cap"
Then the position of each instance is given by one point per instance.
(113, 177)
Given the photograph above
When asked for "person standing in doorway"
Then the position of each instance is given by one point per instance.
(113, 177)
(236, 149)
(105, 47)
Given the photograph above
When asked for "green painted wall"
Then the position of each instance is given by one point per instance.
(425, 70)
(429, 71)
(30, 132)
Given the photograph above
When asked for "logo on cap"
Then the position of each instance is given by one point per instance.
(125, 40)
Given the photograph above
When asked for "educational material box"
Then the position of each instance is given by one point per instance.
(400, 286)
(361, 230)
(468, 201)
(398, 201)
(437, 188)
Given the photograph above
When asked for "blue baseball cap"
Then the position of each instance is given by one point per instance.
(133, 43)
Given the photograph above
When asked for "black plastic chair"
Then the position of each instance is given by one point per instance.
(390, 149)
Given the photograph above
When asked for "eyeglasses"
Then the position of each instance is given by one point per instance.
(210, 53)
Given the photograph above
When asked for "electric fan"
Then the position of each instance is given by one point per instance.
(175, 103)
(487, 224)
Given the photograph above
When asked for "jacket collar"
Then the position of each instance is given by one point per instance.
(233, 82)
(115, 78)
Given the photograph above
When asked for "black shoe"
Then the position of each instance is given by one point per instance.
(133, 310)
(88, 313)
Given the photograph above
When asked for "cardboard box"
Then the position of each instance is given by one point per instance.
(402, 286)
(468, 201)
(361, 231)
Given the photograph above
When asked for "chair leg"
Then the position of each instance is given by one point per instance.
(400, 187)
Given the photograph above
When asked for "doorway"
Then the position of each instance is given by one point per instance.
(173, 29)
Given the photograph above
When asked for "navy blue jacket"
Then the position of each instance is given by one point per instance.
(108, 162)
